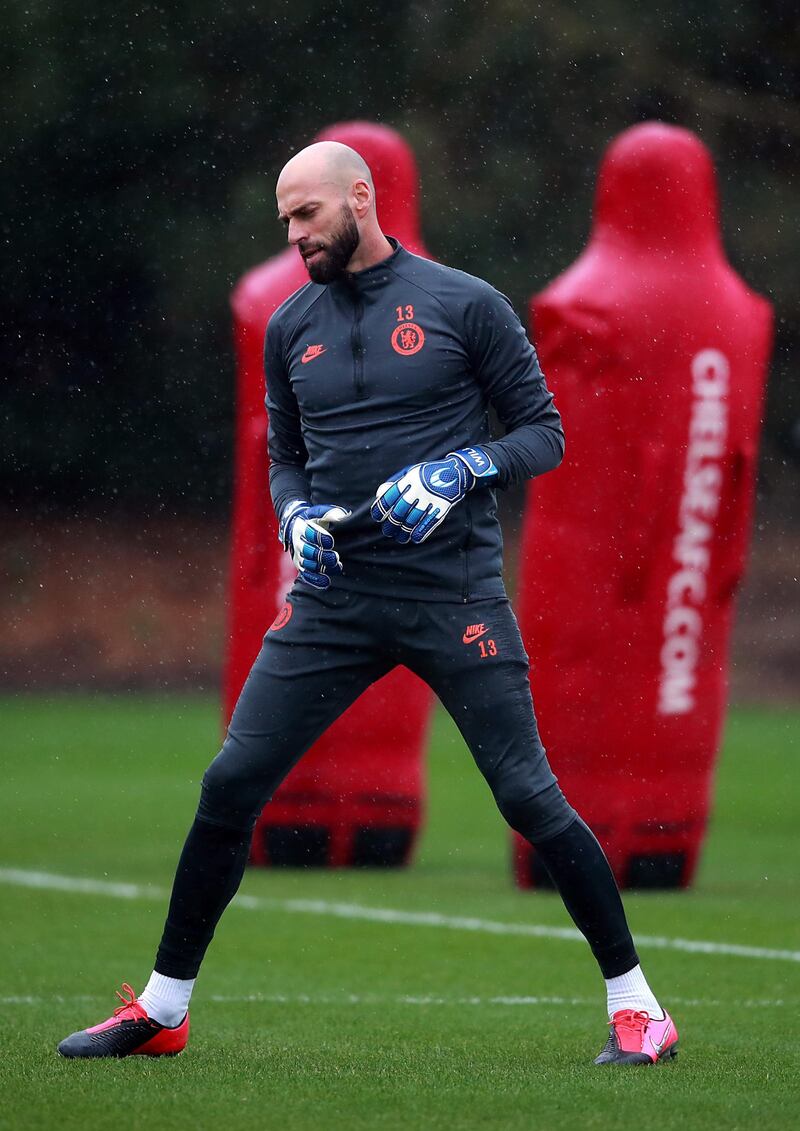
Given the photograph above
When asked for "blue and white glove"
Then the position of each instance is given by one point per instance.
(414, 501)
(305, 533)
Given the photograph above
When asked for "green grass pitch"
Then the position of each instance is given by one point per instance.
(307, 1020)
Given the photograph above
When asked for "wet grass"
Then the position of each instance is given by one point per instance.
(313, 1021)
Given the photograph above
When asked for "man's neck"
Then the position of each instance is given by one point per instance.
(372, 249)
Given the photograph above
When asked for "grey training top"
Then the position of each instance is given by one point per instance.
(393, 366)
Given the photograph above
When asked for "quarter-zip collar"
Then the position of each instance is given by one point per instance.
(375, 276)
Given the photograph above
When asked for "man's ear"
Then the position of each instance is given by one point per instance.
(362, 196)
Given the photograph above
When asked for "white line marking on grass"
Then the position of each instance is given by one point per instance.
(78, 884)
(47, 881)
(402, 999)
(434, 999)
(57, 999)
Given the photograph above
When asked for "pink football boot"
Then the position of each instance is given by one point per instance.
(637, 1038)
(128, 1032)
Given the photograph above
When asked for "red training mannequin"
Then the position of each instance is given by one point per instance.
(632, 551)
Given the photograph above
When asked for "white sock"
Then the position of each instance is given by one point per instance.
(631, 991)
(166, 1000)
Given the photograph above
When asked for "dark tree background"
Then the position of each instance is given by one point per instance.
(141, 141)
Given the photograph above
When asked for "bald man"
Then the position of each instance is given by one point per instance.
(347, 244)
(380, 373)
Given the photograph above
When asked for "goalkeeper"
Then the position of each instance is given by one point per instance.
(380, 373)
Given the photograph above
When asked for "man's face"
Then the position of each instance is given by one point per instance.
(321, 225)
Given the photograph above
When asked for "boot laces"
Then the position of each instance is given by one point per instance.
(634, 1020)
(127, 997)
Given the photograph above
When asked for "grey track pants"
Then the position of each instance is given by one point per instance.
(316, 660)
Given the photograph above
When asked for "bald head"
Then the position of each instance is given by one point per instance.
(326, 199)
(326, 163)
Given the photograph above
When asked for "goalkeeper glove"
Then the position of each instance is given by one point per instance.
(414, 501)
(304, 532)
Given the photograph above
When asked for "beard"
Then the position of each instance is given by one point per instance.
(336, 252)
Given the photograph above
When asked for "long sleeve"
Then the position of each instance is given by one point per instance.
(287, 450)
(507, 368)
